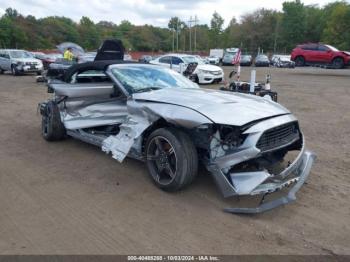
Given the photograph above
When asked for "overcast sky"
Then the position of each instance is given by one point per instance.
(155, 12)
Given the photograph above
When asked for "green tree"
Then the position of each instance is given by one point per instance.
(337, 29)
(293, 23)
(216, 24)
(314, 23)
(89, 36)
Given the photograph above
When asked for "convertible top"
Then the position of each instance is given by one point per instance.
(111, 49)
(95, 65)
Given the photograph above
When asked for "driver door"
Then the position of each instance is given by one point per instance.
(91, 99)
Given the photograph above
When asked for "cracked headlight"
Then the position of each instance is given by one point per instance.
(231, 137)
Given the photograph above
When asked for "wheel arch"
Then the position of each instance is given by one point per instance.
(338, 56)
(172, 116)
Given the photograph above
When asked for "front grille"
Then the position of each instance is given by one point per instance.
(31, 63)
(216, 72)
(278, 137)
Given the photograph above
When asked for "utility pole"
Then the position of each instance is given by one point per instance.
(173, 40)
(195, 33)
(195, 22)
(177, 35)
(190, 27)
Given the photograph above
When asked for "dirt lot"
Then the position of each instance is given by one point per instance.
(70, 198)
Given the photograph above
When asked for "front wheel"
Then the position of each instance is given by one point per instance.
(299, 61)
(14, 70)
(171, 159)
(338, 63)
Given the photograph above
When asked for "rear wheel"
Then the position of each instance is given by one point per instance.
(1, 71)
(299, 61)
(172, 159)
(52, 128)
(338, 63)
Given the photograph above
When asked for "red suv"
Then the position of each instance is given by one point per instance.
(320, 54)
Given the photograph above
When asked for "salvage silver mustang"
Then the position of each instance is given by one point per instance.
(158, 116)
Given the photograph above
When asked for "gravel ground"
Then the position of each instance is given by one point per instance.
(70, 198)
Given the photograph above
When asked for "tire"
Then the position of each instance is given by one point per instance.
(1, 71)
(196, 80)
(338, 63)
(299, 61)
(38, 73)
(52, 128)
(171, 159)
(14, 70)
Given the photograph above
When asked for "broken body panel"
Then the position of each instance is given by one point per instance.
(225, 127)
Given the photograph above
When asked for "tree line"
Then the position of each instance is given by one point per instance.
(263, 29)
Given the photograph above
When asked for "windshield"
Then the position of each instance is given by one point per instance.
(231, 54)
(332, 48)
(20, 54)
(285, 58)
(142, 78)
(191, 59)
(262, 58)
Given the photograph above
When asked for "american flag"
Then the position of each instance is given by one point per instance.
(237, 58)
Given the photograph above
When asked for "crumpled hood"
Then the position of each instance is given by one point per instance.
(221, 107)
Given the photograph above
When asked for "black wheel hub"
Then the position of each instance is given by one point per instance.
(162, 160)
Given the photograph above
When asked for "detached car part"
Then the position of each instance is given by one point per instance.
(259, 89)
(158, 116)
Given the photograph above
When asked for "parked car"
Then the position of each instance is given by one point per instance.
(229, 55)
(202, 59)
(87, 57)
(246, 60)
(47, 59)
(38, 55)
(204, 74)
(145, 58)
(282, 61)
(213, 60)
(109, 50)
(320, 54)
(217, 53)
(156, 115)
(262, 60)
(19, 62)
(127, 57)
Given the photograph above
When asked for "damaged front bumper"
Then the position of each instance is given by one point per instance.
(254, 183)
